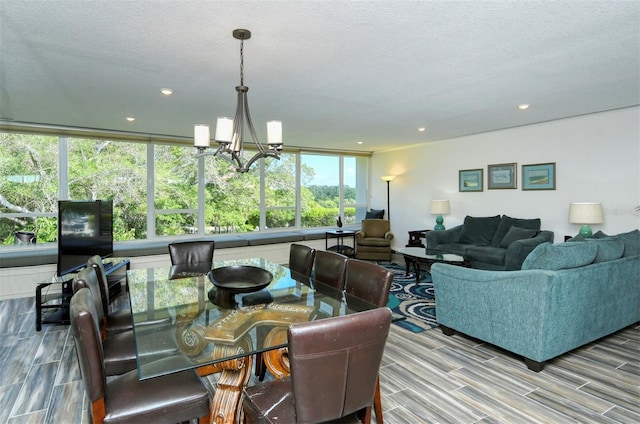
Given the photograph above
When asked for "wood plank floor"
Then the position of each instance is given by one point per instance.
(425, 377)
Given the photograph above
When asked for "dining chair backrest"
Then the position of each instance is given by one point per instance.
(88, 278)
(96, 262)
(190, 252)
(330, 268)
(86, 336)
(124, 398)
(301, 259)
(368, 281)
(340, 358)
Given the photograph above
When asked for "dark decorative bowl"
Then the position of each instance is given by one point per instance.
(240, 278)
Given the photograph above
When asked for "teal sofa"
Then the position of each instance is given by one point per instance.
(565, 295)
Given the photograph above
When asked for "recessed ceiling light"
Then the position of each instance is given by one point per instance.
(360, 142)
(422, 129)
(523, 106)
(166, 91)
(130, 118)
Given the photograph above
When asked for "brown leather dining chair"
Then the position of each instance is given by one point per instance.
(372, 283)
(123, 399)
(191, 252)
(334, 369)
(118, 320)
(119, 348)
(301, 259)
(330, 268)
(368, 281)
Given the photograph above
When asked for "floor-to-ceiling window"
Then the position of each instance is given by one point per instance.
(107, 169)
(28, 187)
(164, 189)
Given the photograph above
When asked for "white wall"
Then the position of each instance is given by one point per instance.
(597, 159)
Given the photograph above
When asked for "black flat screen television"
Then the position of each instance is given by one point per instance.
(85, 229)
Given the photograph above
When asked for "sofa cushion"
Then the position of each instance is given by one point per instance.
(374, 241)
(515, 234)
(455, 248)
(609, 248)
(631, 242)
(558, 256)
(487, 254)
(375, 214)
(479, 230)
(506, 222)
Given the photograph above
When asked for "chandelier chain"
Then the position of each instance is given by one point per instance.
(241, 62)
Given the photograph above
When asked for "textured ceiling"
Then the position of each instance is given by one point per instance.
(335, 72)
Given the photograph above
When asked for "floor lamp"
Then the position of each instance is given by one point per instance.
(388, 179)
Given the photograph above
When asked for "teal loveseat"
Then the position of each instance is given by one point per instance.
(566, 295)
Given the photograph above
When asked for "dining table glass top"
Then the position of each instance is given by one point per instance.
(199, 315)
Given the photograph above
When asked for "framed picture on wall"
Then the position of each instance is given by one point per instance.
(470, 180)
(539, 176)
(501, 176)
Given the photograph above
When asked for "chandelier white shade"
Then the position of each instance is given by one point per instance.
(229, 132)
(201, 136)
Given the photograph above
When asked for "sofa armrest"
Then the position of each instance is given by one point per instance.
(434, 238)
(518, 251)
(388, 235)
(360, 234)
(509, 309)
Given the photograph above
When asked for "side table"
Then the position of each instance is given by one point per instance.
(415, 236)
(340, 246)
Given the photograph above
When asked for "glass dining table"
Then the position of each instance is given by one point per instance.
(217, 318)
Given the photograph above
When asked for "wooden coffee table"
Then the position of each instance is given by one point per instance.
(417, 256)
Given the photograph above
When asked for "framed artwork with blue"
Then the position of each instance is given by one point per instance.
(502, 176)
(539, 176)
(470, 180)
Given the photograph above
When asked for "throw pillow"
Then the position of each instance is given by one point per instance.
(577, 237)
(479, 230)
(375, 214)
(515, 234)
(558, 256)
(507, 222)
(609, 248)
(631, 242)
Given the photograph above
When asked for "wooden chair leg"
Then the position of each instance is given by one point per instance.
(377, 403)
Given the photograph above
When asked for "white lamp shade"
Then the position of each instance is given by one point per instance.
(201, 136)
(235, 144)
(224, 129)
(274, 132)
(439, 207)
(586, 213)
(387, 178)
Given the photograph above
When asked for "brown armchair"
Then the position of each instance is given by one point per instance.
(373, 241)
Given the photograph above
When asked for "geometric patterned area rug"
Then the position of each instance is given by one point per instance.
(413, 305)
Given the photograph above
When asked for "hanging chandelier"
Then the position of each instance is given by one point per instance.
(230, 133)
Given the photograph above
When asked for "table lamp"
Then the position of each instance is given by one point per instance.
(439, 207)
(585, 214)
